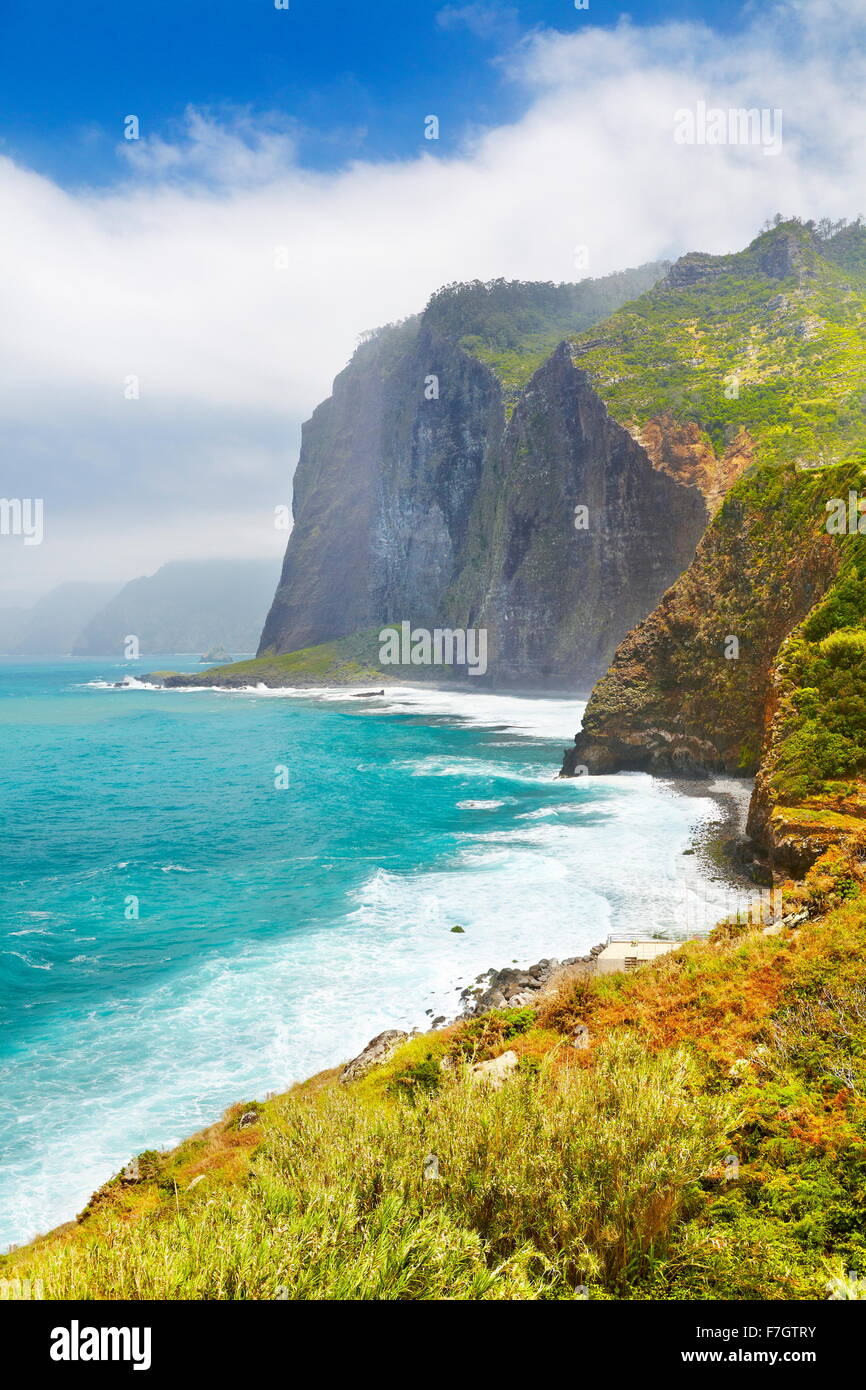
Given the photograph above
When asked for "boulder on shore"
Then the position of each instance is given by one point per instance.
(377, 1051)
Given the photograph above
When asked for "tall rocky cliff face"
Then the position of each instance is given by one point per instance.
(682, 697)
(575, 537)
(755, 660)
(438, 485)
(384, 489)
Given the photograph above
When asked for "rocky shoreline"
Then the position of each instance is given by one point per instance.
(511, 988)
(515, 988)
(508, 988)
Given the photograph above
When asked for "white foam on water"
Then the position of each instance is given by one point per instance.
(479, 805)
(453, 766)
(128, 683)
(555, 717)
(538, 717)
(231, 1028)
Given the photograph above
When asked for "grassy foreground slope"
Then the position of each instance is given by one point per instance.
(710, 1143)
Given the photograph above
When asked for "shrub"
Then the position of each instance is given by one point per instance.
(846, 644)
(552, 1181)
(571, 1005)
(812, 755)
(482, 1037)
(417, 1077)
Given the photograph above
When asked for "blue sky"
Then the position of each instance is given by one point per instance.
(351, 78)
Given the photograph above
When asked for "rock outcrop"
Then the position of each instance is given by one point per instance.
(682, 699)
(495, 1072)
(498, 989)
(512, 989)
(377, 1051)
(435, 488)
(579, 531)
(754, 661)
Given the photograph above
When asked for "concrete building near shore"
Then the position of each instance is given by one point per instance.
(628, 952)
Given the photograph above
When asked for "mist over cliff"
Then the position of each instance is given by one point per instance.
(465, 472)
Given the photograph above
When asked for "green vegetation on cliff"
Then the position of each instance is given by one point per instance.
(822, 736)
(348, 661)
(514, 325)
(710, 1143)
(816, 755)
(771, 341)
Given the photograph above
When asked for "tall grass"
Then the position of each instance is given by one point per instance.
(597, 1169)
(555, 1181)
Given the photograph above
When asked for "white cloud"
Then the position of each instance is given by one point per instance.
(486, 21)
(171, 275)
(250, 150)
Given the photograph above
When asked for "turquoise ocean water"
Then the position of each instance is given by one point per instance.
(279, 926)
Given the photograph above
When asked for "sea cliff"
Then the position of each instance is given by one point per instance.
(466, 473)
(753, 661)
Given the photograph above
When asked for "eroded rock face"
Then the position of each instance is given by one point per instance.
(377, 1051)
(681, 449)
(672, 701)
(786, 254)
(423, 504)
(695, 268)
(554, 596)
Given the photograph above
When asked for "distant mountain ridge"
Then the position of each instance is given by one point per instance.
(186, 606)
(49, 627)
